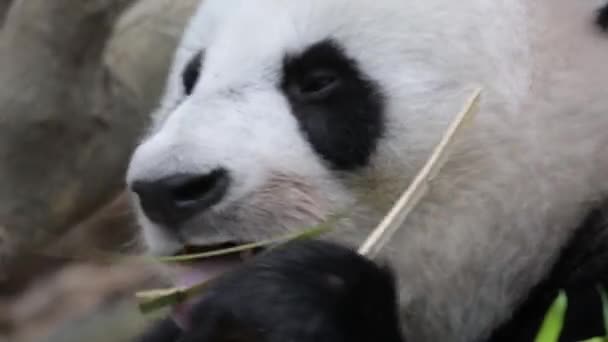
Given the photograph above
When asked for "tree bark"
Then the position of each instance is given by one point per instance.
(67, 124)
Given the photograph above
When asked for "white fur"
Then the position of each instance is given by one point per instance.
(508, 198)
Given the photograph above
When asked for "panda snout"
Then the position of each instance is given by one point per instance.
(172, 200)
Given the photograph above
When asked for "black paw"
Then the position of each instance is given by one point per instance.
(165, 330)
(302, 292)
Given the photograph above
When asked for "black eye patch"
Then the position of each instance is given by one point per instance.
(339, 109)
(191, 73)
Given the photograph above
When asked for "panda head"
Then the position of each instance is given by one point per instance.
(278, 113)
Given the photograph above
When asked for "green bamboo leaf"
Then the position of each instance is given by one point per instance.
(152, 300)
(554, 320)
(596, 339)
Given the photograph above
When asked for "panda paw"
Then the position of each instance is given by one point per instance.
(304, 291)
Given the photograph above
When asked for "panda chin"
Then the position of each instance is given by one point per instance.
(189, 274)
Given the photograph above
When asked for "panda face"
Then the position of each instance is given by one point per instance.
(278, 113)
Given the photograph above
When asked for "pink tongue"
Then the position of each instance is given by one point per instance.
(196, 273)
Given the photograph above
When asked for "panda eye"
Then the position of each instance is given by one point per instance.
(316, 85)
(191, 73)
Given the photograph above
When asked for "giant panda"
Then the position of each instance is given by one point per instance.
(279, 113)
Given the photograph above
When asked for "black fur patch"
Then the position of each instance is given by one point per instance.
(602, 18)
(306, 291)
(191, 73)
(162, 331)
(339, 109)
(581, 268)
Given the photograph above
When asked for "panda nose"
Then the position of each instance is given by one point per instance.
(172, 200)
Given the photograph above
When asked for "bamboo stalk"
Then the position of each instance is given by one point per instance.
(419, 187)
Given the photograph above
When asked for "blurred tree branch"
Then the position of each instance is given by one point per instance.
(59, 103)
(68, 122)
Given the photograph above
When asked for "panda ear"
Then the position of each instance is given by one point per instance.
(191, 73)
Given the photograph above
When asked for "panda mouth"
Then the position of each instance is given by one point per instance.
(222, 249)
(196, 271)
